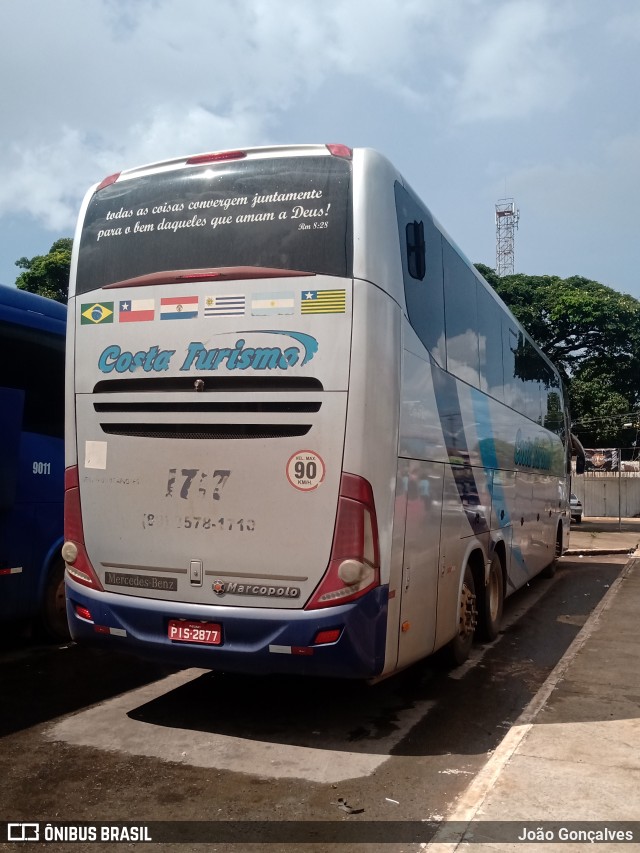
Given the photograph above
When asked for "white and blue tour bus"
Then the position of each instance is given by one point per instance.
(303, 433)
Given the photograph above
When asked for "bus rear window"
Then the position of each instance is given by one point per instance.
(286, 213)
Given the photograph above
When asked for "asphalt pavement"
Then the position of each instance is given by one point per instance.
(567, 774)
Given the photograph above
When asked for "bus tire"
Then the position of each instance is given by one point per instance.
(550, 570)
(53, 613)
(459, 648)
(492, 601)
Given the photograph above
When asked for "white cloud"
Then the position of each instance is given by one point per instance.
(46, 179)
(591, 189)
(111, 85)
(578, 215)
(454, 91)
(516, 65)
(171, 131)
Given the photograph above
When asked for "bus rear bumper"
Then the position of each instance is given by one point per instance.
(254, 640)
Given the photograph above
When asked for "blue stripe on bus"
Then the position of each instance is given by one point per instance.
(489, 457)
(450, 413)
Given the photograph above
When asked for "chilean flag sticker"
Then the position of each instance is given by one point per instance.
(136, 310)
(179, 308)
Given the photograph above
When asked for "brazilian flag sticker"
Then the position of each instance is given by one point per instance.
(96, 313)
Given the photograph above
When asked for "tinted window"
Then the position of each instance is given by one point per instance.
(461, 317)
(288, 213)
(33, 361)
(532, 374)
(512, 341)
(553, 412)
(490, 344)
(421, 249)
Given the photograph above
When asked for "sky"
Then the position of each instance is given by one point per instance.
(472, 100)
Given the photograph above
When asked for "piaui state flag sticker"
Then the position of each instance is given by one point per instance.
(323, 302)
(96, 312)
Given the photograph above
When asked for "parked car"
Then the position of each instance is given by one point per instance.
(576, 509)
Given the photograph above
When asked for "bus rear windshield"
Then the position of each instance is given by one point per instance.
(290, 213)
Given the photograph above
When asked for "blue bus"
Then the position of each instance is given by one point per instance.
(32, 350)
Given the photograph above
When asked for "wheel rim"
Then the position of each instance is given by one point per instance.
(468, 612)
(494, 595)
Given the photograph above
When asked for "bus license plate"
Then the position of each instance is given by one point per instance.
(208, 633)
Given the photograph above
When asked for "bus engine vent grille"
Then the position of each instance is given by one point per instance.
(185, 407)
(241, 384)
(207, 431)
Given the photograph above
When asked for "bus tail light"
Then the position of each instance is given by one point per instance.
(324, 638)
(215, 157)
(354, 565)
(83, 612)
(339, 150)
(73, 550)
(110, 179)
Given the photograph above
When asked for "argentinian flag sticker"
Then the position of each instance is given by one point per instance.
(98, 312)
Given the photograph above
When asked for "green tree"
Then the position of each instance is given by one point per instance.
(48, 275)
(592, 335)
(599, 410)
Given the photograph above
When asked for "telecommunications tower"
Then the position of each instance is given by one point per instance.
(507, 216)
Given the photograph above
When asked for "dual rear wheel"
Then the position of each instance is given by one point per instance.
(478, 611)
(493, 600)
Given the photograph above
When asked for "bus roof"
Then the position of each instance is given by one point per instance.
(29, 309)
(250, 152)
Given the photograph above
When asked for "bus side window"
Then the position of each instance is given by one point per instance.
(461, 317)
(34, 361)
(513, 389)
(11, 406)
(421, 252)
(490, 344)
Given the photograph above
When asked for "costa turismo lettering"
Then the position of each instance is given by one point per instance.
(113, 359)
(532, 453)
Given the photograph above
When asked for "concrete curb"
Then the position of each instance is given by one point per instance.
(597, 552)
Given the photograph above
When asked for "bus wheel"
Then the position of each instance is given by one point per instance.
(460, 647)
(492, 601)
(53, 615)
(550, 570)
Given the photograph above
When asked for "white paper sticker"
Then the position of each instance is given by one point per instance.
(95, 454)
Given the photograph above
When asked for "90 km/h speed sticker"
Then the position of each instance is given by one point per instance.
(305, 470)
